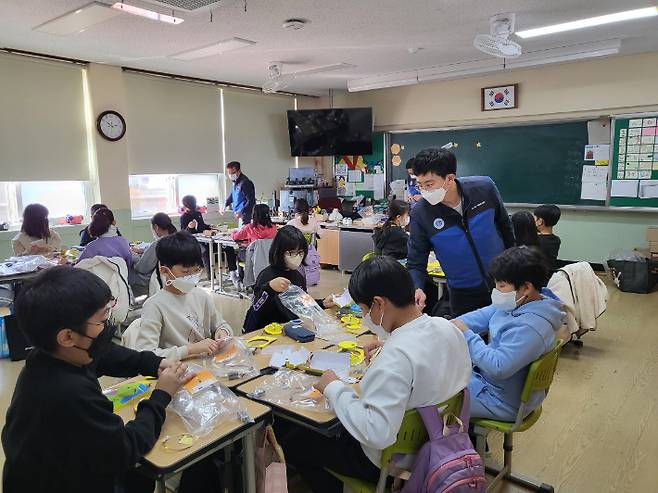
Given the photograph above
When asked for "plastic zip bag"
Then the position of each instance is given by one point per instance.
(304, 306)
(293, 388)
(235, 360)
(204, 403)
(23, 265)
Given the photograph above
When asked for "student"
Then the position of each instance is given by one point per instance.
(304, 220)
(85, 237)
(391, 238)
(145, 262)
(287, 253)
(260, 228)
(423, 362)
(525, 231)
(521, 323)
(180, 320)
(413, 194)
(36, 237)
(546, 217)
(192, 220)
(61, 435)
(107, 243)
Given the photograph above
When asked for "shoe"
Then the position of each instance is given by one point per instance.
(235, 278)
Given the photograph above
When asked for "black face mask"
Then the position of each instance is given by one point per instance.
(101, 343)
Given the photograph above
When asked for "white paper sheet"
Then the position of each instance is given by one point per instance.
(294, 357)
(327, 360)
(649, 189)
(624, 188)
(343, 299)
(594, 174)
(379, 185)
(368, 182)
(355, 176)
(594, 191)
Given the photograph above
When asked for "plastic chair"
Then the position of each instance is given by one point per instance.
(411, 437)
(540, 377)
(367, 256)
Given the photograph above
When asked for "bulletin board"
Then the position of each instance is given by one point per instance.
(362, 175)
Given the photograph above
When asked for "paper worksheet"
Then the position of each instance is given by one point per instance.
(379, 186)
(289, 354)
(624, 188)
(594, 183)
(328, 360)
(649, 189)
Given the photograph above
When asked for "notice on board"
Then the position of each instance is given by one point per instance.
(594, 183)
(355, 176)
(597, 152)
(624, 188)
(649, 189)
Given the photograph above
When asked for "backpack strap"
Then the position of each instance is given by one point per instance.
(432, 421)
(465, 414)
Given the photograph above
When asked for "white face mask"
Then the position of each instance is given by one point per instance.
(505, 301)
(434, 196)
(294, 261)
(184, 284)
(233, 176)
(378, 330)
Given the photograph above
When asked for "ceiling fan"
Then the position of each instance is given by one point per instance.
(277, 80)
(501, 26)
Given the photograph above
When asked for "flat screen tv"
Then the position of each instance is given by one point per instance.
(330, 132)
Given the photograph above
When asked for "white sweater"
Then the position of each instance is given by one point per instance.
(424, 362)
(170, 322)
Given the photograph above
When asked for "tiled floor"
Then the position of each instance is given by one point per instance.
(600, 422)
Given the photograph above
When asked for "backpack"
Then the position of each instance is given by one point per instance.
(311, 268)
(447, 463)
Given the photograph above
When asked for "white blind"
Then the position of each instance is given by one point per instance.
(172, 126)
(42, 121)
(256, 134)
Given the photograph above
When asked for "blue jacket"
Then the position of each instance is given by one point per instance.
(516, 339)
(464, 245)
(243, 197)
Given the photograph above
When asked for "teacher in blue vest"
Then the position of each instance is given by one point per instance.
(464, 221)
(243, 196)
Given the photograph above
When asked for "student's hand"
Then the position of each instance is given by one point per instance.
(164, 364)
(329, 302)
(207, 346)
(221, 334)
(207, 232)
(370, 348)
(173, 378)
(279, 284)
(193, 224)
(460, 325)
(420, 298)
(136, 250)
(326, 378)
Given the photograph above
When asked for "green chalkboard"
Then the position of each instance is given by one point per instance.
(530, 164)
(635, 158)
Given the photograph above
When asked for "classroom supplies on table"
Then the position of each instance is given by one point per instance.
(259, 342)
(357, 354)
(203, 403)
(296, 331)
(176, 443)
(282, 355)
(292, 388)
(125, 393)
(24, 264)
(351, 323)
(274, 329)
(234, 360)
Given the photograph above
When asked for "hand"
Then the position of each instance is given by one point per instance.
(329, 302)
(222, 333)
(326, 378)
(417, 198)
(207, 346)
(460, 325)
(370, 348)
(173, 378)
(193, 224)
(136, 250)
(280, 284)
(34, 249)
(164, 364)
(207, 232)
(420, 298)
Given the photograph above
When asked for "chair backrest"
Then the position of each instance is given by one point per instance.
(412, 434)
(367, 256)
(256, 259)
(541, 372)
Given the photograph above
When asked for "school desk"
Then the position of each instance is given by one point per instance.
(161, 463)
(219, 241)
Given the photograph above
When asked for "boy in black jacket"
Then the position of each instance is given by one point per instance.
(61, 434)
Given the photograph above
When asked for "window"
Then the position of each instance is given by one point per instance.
(59, 197)
(163, 193)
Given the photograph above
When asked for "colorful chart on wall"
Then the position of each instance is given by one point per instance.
(635, 162)
(367, 165)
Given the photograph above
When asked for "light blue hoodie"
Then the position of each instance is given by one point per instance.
(516, 339)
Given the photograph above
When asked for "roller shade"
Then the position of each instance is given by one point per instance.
(256, 134)
(172, 126)
(42, 121)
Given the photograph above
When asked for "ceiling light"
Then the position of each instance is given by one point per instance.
(149, 14)
(627, 15)
(214, 49)
(294, 24)
(567, 54)
(78, 20)
(396, 79)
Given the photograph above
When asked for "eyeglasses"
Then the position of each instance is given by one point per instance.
(295, 253)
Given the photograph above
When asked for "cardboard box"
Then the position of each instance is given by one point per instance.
(652, 234)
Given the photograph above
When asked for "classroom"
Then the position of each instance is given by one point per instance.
(292, 246)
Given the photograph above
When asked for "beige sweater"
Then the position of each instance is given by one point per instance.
(22, 243)
(170, 322)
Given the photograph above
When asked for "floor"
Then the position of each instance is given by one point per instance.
(600, 422)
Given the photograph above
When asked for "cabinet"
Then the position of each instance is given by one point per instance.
(328, 246)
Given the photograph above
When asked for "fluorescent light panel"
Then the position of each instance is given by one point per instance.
(78, 20)
(626, 15)
(214, 49)
(383, 81)
(149, 14)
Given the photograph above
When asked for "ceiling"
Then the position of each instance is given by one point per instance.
(373, 35)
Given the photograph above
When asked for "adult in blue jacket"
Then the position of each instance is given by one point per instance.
(521, 322)
(243, 196)
(413, 194)
(464, 221)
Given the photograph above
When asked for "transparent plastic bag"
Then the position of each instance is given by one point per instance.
(207, 406)
(22, 265)
(304, 306)
(293, 388)
(234, 360)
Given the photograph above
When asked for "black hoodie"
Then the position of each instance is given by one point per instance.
(391, 240)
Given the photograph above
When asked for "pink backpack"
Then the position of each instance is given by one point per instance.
(447, 462)
(311, 268)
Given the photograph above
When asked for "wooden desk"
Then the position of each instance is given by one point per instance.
(162, 463)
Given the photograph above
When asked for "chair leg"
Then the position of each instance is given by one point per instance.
(381, 483)
(506, 472)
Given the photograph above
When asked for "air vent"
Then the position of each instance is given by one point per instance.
(186, 5)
